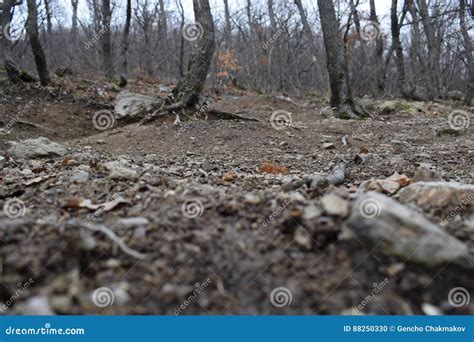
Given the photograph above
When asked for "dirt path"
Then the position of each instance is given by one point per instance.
(233, 240)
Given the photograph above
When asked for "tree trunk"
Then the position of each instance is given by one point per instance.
(72, 57)
(124, 44)
(228, 25)
(10, 68)
(36, 48)
(468, 51)
(433, 84)
(49, 23)
(189, 89)
(378, 54)
(341, 95)
(181, 46)
(397, 47)
(106, 42)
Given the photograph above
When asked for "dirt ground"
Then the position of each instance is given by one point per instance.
(242, 244)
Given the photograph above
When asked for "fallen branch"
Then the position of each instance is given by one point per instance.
(107, 231)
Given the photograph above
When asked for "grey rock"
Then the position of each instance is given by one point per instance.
(439, 195)
(36, 148)
(80, 176)
(393, 229)
(129, 105)
(2, 162)
(121, 170)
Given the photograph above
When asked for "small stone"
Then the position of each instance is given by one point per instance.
(431, 310)
(302, 238)
(283, 143)
(2, 162)
(388, 186)
(312, 212)
(80, 177)
(120, 170)
(328, 146)
(335, 206)
(228, 177)
(37, 306)
(251, 199)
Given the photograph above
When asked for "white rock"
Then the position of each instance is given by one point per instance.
(335, 205)
(36, 148)
(130, 105)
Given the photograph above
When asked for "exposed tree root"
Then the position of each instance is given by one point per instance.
(180, 107)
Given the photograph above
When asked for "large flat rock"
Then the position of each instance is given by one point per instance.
(396, 230)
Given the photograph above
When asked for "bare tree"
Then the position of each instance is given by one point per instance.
(10, 67)
(378, 53)
(397, 47)
(188, 91)
(433, 54)
(228, 25)
(36, 48)
(124, 44)
(341, 94)
(106, 41)
(74, 32)
(468, 52)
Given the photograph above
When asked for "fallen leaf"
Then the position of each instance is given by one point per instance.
(269, 167)
(228, 177)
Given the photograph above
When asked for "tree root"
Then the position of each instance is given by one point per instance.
(181, 106)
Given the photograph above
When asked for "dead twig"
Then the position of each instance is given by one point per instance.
(111, 235)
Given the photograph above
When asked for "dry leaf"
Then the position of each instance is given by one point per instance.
(268, 167)
(228, 177)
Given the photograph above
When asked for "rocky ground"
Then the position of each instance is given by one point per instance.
(234, 217)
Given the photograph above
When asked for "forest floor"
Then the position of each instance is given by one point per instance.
(197, 206)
